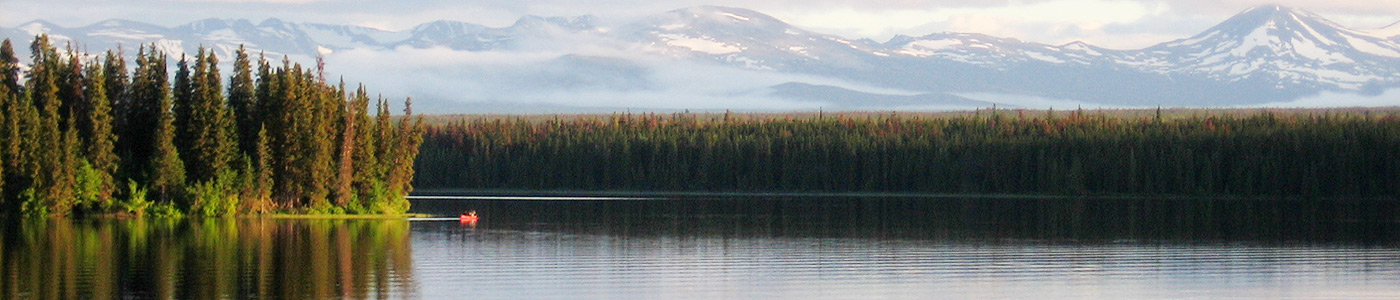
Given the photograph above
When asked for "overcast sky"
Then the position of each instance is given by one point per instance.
(1121, 24)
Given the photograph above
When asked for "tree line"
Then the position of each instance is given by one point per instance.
(88, 134)
(1303, 153)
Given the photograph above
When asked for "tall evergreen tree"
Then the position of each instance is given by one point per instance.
(322, 103)
(345, 172)
(151, 128)
(23, 149)
(117, 82)
(182, 94)
(364, 163)
(263, 166)
(53, 164)
(209, 145)
(9, 69)
(96, 133)
(77, 128)
(278, 96)
(70, 86)
(5, 116)
(42, 72)
(242, 102)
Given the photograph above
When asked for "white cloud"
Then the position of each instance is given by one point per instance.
(565, 78)
(255, 1)
(1110, 23)
(1389, 98)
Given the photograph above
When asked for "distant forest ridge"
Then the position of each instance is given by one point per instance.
(1335, 153)
(87, 136)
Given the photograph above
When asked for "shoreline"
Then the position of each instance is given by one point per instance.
(613, 195)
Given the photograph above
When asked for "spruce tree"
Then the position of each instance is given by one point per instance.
(322, 104)
(24, 148)
(5, 116)
(42, 72)
(182, 92)
(366, 180)
(117, 83)
(52, 169)
(96, 133)
(263, 167)
(70, 87)
(344, 187)
(242, 102)
(209, 146)
(9, 69)
(152, 131)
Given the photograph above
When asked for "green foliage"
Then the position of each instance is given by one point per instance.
(31, 204)
(89, 189)
(135, 202)
(283, 140)
(215, 197)
(205, 127)
(380, 199)
(1301, 153)
(165, 210)
(95, 130)
(9, 68)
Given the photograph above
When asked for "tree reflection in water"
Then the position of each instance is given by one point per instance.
(204, 259)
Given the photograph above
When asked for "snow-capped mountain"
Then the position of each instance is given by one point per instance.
(1264, 54)
(1287, 47)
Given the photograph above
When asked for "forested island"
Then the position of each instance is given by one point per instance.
(84, 134)
(1257, 153)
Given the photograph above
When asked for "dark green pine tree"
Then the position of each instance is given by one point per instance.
(70, 87)
(324, 104)
(5, 116)
(209, 127)
(9, 69)
(182, 94)
(22, 146)
(344, 190)
(262, 200)
(96, 133)
(42, 72)
(366, 178)
(151, 130)
(277, 91)
(387, 141)
(10, 92)
(53, 164)
(117, 82)
(242, 102)
(399, 179)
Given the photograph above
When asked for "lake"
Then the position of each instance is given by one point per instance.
(696, 247)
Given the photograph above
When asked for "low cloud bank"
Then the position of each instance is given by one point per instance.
(554, 80)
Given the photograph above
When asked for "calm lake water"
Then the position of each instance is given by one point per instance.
(734, 248)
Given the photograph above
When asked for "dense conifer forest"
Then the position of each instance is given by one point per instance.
(1261, 153)
(82, 134)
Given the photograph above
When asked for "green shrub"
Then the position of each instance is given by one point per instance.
(88, 188)
(166, 210)
(31, 205)
(135, 202)
(215, 197)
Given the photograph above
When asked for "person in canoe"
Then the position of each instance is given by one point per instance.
(469, 216)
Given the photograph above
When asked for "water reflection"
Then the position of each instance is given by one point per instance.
(881, 248)
(1354, 221)
(733, 248)
(204, 259)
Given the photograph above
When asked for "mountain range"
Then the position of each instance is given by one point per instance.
(1266, 54)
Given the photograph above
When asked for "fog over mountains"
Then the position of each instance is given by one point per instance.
(716, 58)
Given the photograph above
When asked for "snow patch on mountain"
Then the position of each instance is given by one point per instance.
(701, 44)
